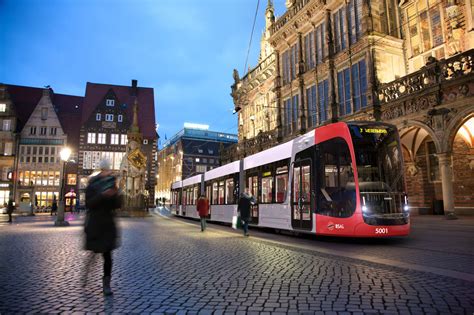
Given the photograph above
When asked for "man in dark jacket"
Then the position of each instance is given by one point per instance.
(245, 203)
(102, 198)
(10, 208)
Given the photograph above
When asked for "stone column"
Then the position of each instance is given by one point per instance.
(447, 183)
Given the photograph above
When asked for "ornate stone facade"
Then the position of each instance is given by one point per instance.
(327, 68)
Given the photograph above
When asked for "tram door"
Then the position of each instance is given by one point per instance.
(301, 195)
(252, 184)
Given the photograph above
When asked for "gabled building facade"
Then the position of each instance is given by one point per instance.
(106, 118)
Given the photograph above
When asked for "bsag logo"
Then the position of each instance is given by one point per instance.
(338, 226)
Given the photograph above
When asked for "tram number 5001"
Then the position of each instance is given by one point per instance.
(381, 230)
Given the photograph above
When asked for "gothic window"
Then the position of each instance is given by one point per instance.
(340, 32)
(323, 95)
(289, 64)
(312, 100)
(358, 77)
(344, 92)
(424, 26)
(355, 15)
(309, 50)
(321, 51)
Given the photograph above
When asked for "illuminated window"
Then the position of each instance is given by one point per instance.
(120, 118)
(98, 116)
(109, 117)
(3, 107)
(91, 137)
(71, 179)
(424, 26)
(114, 138)
(123, 139)
(101, 138)
(110, 102)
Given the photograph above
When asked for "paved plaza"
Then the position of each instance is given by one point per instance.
(167, 265)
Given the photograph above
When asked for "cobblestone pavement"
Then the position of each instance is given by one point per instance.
(168, 266)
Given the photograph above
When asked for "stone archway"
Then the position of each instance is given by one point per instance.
(420, 145)
(459, 145)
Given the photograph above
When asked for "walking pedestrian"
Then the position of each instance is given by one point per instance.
(244, 207)
(10, 208)
(202, 206)
(54, 207)
(102, 198)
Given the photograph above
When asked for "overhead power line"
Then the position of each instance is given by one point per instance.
(251, 36)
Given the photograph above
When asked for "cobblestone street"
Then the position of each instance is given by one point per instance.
(166, 265)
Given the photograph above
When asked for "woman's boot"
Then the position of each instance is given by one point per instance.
(106, 286)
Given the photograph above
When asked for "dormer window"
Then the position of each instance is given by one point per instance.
(32, 130)
(98, 116)
(109, 117)
(3, 107)
(120, 118)
(110, 102)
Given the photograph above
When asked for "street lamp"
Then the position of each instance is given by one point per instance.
(64, 154)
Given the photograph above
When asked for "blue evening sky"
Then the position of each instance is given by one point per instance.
(184, 49)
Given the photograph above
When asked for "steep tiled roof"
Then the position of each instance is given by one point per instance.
(68, 109)
(146, 104)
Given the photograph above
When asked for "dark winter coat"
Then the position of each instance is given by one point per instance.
(202, 207)
(10, 207)
(245, 203)
(100, 228)
(54, 207)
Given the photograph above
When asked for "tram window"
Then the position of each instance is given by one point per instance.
(208, 192)
(195, 197)
(215, 195)
(229, 191)
(267, 188)
(252, 184)
(336, 194)
(221, 192)
(281, 183)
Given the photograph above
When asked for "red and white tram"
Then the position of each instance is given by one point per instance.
(342, 179)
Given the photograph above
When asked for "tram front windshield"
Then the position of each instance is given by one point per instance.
(380, 172)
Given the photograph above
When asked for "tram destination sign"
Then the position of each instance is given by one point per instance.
(373, 130)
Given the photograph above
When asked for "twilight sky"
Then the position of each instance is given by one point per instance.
(184, 49)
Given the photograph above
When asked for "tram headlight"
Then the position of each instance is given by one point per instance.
(406, 208)
(365, 209)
